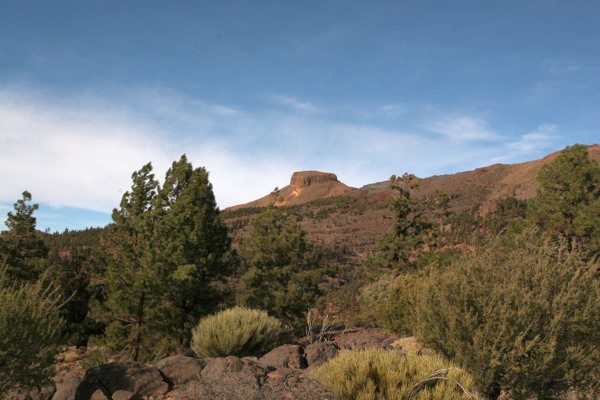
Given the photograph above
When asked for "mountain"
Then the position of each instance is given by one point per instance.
(481, 186)
(337, 215)
(304, 186)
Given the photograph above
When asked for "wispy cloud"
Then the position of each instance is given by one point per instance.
(295, 104)
(463, 128)
(223, 111)
(393, 110)
(543, 138)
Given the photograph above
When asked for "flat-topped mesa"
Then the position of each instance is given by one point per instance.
(304, 179)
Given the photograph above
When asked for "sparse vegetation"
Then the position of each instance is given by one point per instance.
(390, 375)
(238, 331)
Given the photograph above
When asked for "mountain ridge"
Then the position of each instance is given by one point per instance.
(359, 217)
(519, 179)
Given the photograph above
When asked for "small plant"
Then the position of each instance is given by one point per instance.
(238, 331)
(388, 374)
(315, 334)
(95, 358)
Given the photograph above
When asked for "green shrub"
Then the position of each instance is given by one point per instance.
(388, 301)
(522, 317)
(238, 331)
(388, 374)
(30, 328)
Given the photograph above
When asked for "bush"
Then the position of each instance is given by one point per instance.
(522, 317)
(238, 331)
(388, 374)
(30, 328)
(388, 301)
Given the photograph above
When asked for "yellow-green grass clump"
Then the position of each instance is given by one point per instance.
(238, 331)
(388, 374)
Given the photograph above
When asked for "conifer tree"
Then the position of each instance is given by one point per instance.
(283, 268)
(193, 243)
(166, 247)
(399, 247)
(20, 247)
(134, 276)
(568, 201)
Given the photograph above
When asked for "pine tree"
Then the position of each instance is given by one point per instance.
(283, 268)
(166, 248)
(399, 248)
(21, 248)
(568, 201)
(134, 276)
(194, 244)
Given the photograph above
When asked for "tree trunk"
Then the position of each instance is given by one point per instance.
(140, 323)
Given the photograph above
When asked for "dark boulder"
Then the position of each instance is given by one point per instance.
(129, 376)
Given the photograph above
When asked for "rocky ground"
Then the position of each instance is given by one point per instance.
(284, 373)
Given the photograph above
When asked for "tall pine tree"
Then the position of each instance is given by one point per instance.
(134, 275)
(167, 246)
(194, 244)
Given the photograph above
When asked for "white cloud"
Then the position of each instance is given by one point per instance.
(542, 139)
(71, 157)
(223, 111)
(82, 153)
(296, 104)
(463, 128)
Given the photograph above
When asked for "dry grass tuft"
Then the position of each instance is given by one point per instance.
(238, 331)
(388, 374)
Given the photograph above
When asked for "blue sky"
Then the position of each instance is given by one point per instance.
(90, 91)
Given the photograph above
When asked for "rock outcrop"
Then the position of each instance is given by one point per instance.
(180, 369)
(305, 186)
(286, 356)
(304, 179)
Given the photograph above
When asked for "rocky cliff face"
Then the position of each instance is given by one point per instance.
(304, 179)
